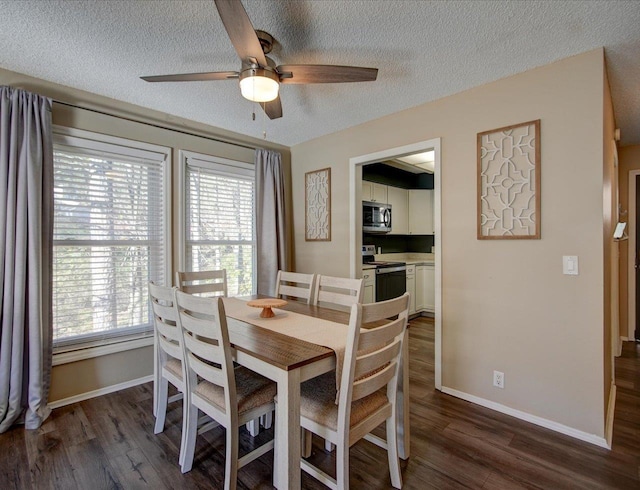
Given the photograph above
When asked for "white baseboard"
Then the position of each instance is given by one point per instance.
(102, 391)
(527, 417)
(611, 409)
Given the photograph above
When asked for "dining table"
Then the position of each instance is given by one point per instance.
(289, 361)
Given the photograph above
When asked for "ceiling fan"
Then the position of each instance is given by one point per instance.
(259, 76)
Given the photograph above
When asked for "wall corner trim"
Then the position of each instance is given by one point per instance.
(527, 417)
(99, 392)
(611, 409)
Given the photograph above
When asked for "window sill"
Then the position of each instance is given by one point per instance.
(79, 352)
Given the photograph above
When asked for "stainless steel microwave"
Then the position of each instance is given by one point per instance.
(376, 217)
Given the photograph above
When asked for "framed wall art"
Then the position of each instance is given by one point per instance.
(509, 182)
(317, 205)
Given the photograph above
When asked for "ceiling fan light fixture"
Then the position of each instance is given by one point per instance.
(259, 85)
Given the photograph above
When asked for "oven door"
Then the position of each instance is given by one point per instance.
(390, 282)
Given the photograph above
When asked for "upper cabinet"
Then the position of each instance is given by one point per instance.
(421, 212)
(399, 200)
(372, 191)
(411, 210)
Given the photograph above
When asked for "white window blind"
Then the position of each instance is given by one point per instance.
(110, 229)
(219, 215)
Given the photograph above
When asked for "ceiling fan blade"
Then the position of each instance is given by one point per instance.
(193, 77)
(325, 74)
(273, 108)
(240, 30)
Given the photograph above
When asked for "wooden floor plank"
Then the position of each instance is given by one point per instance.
(108, 442)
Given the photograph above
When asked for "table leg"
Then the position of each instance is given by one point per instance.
(403, 401)
(287, 472)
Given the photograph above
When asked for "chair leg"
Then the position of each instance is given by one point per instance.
(392, 453)
(267, 420)
(190, 432)
(253, 426)
(342, 465)
(231, 463)
(161, 409)
(307, 439)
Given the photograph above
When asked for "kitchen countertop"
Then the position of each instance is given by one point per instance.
(367, 266)
(408, 258)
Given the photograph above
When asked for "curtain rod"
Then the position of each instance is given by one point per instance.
(156, 125)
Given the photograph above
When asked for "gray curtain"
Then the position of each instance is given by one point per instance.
(270, 220)
(26, 219)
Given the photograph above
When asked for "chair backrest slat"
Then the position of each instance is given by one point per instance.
(171, 348)
(206, 371)
(295, 285)
(211, 283)
(369, 362)
(370, 338)
(164, 320)
(338, 291)
(373, 383)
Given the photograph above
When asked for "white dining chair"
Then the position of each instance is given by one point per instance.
(203, 283)
(337, 293)
(295, 285)
(368, 387)
(214, 283)
(168, 352)
(230, 396)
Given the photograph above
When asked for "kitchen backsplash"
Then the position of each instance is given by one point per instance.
(400, 243)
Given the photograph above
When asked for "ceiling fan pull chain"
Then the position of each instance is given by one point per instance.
(264, 129)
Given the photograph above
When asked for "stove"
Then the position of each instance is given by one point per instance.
(391, 277)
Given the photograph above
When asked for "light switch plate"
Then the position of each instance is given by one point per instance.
(570, 265)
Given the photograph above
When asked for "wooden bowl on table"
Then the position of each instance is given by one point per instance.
(266, 304)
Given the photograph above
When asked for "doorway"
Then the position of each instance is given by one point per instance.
(355, 219)
(633, 261)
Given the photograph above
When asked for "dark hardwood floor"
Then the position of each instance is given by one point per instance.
(108, 442)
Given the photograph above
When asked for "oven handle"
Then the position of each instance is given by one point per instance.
(388, 270)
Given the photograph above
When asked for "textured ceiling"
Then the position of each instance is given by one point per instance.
(424, 50)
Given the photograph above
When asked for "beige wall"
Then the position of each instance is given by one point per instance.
(628, 160)
(506, 304)
(92, 374)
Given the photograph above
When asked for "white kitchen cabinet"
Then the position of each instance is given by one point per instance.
(367, 190)
(372, 191)
(425, 288)
(369, 284)
(411, 287)
(421, 220)
(420, 288)
(399, 200)
(430, 288)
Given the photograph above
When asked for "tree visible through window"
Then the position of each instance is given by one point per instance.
(220, 221)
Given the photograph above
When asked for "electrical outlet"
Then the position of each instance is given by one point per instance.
(498, 379)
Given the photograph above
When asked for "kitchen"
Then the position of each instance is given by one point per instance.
(398, 230)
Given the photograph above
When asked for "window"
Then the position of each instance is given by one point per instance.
(110, 235)
(219, 219)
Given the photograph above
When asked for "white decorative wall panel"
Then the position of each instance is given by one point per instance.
(318, 205)
(509, 182)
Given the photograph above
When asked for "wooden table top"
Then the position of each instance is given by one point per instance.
(278, 349)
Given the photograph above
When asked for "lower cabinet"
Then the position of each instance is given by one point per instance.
(430, 288)
(369, 285)
(411, 287)
(425, 287)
